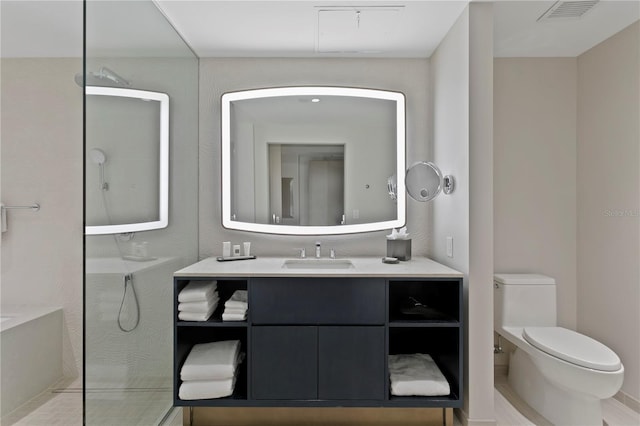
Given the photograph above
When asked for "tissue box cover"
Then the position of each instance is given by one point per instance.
(400, 249)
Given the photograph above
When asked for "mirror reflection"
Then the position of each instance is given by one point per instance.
(127, 160)
(306, 184)
(312, 160)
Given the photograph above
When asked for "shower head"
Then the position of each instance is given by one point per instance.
(104, 76)
(98, 156)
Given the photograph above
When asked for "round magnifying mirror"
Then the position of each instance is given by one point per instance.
(423, 181)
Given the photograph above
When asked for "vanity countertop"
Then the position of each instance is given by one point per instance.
(272, 267)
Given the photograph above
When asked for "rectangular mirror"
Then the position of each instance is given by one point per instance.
(127, 146)
(312, 160)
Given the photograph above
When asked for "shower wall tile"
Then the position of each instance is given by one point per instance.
(41, 158)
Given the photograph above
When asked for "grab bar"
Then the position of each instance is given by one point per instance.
(35, 207)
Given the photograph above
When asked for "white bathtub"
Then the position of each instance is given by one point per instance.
(143, 357)
(30, 353)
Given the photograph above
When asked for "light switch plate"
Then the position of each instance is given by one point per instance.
(450, 246)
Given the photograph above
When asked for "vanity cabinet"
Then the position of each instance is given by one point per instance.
(324, 341)
(317, 363)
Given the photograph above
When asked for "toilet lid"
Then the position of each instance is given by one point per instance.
(572, 347)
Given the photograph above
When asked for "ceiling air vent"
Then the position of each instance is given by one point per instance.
(568, 10)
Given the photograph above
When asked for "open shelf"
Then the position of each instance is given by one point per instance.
(239, 392)
(225, 289)
(428, 301)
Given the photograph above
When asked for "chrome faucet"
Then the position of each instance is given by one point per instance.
(318, 250)
(303, 252)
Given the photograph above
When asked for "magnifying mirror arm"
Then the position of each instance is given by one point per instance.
(448, 184)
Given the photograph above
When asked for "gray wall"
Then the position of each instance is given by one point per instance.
(178, 78)
(535, 172)
(609, 198)
(217, 76)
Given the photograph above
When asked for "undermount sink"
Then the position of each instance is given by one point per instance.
(313, 263)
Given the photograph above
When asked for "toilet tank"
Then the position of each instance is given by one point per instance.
(524, 300)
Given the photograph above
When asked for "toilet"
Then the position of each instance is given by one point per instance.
(560, 373)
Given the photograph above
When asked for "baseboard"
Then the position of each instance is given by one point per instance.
(628, 400)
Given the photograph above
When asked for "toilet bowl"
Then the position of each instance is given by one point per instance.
(562, 374)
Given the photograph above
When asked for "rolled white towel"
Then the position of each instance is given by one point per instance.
(206, 389)
(416, 375)
(237, 300)
(197, 291)
(234, 317)
(200, 307)
(212, 361)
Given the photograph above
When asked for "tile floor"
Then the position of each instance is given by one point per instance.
(512, 411)
(64, 408)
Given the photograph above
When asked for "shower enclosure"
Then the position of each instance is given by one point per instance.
(141, 155)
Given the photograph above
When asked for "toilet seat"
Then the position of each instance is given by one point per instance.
(572, 347)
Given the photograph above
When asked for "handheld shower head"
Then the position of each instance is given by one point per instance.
(98, 156)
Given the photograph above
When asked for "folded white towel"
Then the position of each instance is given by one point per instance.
(197, 291)
(200, 307)
(228, 310)
(417, 375)
(237, 300)
(196, 316)
(212, 361)
(206, 389)
(234, 316)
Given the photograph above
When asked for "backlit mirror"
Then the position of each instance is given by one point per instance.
(312, 160)
(127, 155)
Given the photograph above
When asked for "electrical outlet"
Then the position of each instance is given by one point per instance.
(450, 246)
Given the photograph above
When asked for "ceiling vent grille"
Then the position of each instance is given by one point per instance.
(568, 10)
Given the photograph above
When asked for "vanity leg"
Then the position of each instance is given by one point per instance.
(447, 417)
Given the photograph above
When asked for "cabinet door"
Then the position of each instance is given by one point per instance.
(351, 363)
(284, 362)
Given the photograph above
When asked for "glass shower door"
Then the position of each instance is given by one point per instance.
(131, 144)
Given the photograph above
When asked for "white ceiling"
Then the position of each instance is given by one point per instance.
(291, 28)
(294, 28)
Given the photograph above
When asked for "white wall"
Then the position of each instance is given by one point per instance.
(461, 80)
(219, 75)
(42, 162)
(535, 172)
(609, 198)
(480, 304)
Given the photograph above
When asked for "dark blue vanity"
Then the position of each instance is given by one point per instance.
(322, 338)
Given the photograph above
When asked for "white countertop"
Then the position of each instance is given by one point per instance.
(272, 267)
